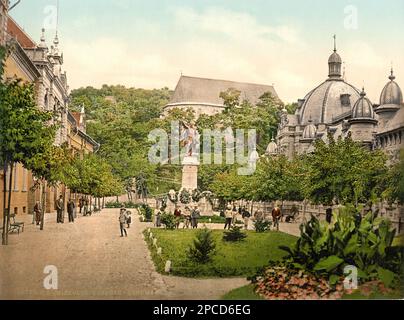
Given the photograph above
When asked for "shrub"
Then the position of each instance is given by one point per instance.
(325, 249)
(168, 220)
(185, 196)
(117, 205)
(203, 247)
(113, 205)
(262, 225)
(147, 212)
(234, 234)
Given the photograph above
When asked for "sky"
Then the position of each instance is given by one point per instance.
(149, 44)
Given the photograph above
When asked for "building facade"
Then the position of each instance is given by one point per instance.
(203, 95)
(42, 66)
(338, 108)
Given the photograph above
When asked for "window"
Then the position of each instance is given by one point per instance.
(345, 100)
(24, 180)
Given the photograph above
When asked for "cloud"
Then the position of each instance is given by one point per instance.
(222, 44)
(233, 24)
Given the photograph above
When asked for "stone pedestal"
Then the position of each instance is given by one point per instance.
(190, 177)
(190, 173)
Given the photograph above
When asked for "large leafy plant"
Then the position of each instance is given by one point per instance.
(326, 249)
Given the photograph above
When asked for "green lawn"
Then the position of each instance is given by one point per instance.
(243, 293)
(232, 259)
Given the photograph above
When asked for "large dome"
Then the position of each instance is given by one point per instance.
(331, 99)
(391, 93)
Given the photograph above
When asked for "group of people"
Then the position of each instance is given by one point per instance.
(231, 214)
(125, 220)
(60, 210)
(189, 218)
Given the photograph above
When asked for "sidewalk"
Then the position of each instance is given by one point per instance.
(93, 262)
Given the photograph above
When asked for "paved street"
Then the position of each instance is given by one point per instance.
(93, 262)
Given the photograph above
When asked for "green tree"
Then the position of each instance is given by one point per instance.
(394, 181)
(25, 135)
(345, 172)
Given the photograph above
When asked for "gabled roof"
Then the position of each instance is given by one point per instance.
(207, 91)
(14, 30)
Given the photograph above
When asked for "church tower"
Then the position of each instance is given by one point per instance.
(391, 99)
(363, 122)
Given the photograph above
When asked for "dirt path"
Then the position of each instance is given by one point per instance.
(94, 262)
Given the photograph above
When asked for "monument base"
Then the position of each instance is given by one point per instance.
(190, 173)
(190, 177)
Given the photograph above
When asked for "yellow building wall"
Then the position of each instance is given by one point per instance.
(22, 178)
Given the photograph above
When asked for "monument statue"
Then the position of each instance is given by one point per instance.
(190, 139)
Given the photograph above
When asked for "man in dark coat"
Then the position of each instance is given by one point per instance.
(60, 210)
(70, 209)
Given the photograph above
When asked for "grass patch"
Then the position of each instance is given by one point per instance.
(243, 293)
(241, 259)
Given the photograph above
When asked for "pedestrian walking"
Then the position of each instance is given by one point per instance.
(234, 215)
(187, 218)
(129, 220)
(60, 210)
(157, 222)
(85, 207)
(37, 212)
(246, 217)
(70, 210)
(123, 219)
(195, 215)
(177, 214)
(228, 214)
(81, 204)
(276, 216)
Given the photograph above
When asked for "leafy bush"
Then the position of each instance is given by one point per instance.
(262, 225)
(234, 234)
(147, 212)
(203, 247)
(325, 249)
(169, 221)
(185, 196)
(117, 205)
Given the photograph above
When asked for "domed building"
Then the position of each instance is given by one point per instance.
(337, 107)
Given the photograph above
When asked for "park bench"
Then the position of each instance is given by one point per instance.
(16, 226)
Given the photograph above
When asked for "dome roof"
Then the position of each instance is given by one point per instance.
(328, 101)
(310, 131)
(391, 93)
(335, 58)
(363, 108)
(272, 147)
